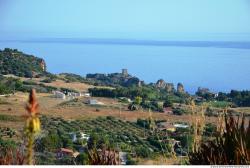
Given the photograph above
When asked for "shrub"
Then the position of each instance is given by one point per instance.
(143, 152)
(179, 111)
(230, 148)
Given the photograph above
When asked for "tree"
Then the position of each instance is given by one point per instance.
(138, 100)
(168, 102)
(178, 111)
(82, 159)
(142, 152)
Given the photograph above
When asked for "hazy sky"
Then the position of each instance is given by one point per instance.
(124, 18)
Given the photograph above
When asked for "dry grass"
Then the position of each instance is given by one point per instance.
(59, 83)
(73, 85)
(49, 106)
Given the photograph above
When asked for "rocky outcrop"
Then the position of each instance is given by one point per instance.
(180, 88)
(161, 84)
(43, 65)
(203, 90)
(115, 79)
(169, 87)
(132, 81)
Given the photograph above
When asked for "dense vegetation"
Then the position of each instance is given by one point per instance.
(238, 98)
(15, 62)
(145, 92)
(114, 79)
(70, 77)
(234, 98)
(10, 85)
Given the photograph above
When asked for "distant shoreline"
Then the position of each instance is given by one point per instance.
(160, 43)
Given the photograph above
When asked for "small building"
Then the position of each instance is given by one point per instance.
(86, 94)
(181, 126)
(74, 137)
(64, 152)
(84, 136)
(94, 102)
(59, 95)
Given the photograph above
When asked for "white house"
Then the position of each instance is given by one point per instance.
(94, 102)
(181, 126)
(59, 94)
(86, 94)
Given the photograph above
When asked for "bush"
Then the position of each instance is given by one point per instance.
(143, 152)
(179, 111)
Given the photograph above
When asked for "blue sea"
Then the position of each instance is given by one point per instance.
(220, 66)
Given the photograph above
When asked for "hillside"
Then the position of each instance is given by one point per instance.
(20, 64)
(115, 79)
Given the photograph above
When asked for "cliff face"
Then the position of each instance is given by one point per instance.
(17, 63)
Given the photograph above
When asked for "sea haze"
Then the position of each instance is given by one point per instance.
(218, 65)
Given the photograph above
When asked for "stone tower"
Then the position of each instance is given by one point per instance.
(124, 72)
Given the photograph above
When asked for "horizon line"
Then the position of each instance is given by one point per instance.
(126, 41)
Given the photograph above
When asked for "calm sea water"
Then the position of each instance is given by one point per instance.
(220, 69)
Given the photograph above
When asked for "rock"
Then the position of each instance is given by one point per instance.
(43, 65)
(203, 90)
(132, 81)
(169, 87)
(180, 88)
(161, 84)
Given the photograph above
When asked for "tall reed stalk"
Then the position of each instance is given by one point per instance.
(231, 146)
(32, 126)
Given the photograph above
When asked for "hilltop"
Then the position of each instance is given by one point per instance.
(20, 64)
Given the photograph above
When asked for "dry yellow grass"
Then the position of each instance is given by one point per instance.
(50, 106)
(73, 85)
(59, 83)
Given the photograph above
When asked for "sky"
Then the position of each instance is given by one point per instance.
(142, 19)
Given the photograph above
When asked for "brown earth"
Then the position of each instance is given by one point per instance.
(48, 105)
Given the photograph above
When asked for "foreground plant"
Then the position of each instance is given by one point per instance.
(10, 156)
(103, 157)
(32, 127)
(232, 147)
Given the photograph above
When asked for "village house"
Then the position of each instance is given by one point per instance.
(64, 152)
(86, 94)
(74, 137)
(94, 102)
(181, 126)
(59, 95)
